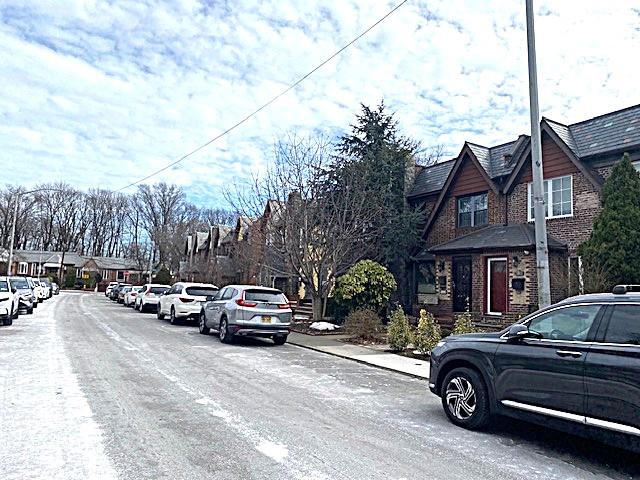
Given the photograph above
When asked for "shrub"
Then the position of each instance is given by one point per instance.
(70, 279)
(366, 285)
(398, 330)
(427, 334)
(463, 324)
(163, 276)
(363, 324)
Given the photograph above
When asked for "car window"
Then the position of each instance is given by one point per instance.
(267, 296)
(228, 294)
(219, 294)
(624, 326)
(158, 290)
(4, 286)
(201, 291)
(20, 282)
(570, 323)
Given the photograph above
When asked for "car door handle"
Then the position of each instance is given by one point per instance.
(568, 353)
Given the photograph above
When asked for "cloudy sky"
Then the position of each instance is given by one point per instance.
(101, 93)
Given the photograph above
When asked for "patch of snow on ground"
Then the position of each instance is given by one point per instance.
(276, 451)
(323, 326)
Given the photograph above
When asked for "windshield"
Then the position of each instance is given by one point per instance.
(126, 289)
(158, 290)
(266, 296)
(20, 282)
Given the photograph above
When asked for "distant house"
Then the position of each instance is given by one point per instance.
(478, 251)
(34, 263)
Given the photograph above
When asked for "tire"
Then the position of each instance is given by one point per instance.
(29, 311)
(223, 332)
(465, 399)
(140, 307)
(172, 317)
(202, 326)
(35, 304)
(159, 313)
(7, 321)
(280, 339)
(16, 314)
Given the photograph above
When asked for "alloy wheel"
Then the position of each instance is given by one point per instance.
(223, 330)
(461, 398)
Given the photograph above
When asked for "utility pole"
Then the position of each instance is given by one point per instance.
(13, 233)
(539, 202)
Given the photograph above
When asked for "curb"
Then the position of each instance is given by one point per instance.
(315, 349)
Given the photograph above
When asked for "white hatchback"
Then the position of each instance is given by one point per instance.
(184, 300)
(149, 297)
(9, 301)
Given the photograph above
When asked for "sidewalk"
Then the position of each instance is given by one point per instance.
(373, 356)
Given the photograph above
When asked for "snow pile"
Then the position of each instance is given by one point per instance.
(323, 326)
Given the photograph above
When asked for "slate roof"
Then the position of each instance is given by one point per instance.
(431, 179)
(73, 258)
(608, 132)
(498, 237)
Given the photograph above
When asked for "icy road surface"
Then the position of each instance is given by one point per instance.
(94, 390)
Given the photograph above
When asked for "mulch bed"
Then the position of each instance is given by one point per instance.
(303, 327)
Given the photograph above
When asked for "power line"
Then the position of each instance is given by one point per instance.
(262, 107)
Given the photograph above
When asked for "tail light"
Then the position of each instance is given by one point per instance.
(148, 294)
(243, 303)
(186, 300)
(284, 306)
(134, 294)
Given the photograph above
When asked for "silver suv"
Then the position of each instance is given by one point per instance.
(247, 310)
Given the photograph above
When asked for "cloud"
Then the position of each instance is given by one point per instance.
(101, 93)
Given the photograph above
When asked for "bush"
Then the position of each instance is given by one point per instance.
(463, 324)
(363, 324)
(398, 330)
(366, 285)
(70, 279)
(163, 276)
(428, 333)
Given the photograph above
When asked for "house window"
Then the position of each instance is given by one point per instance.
(472, 210)
(120, 275)
(636, 165)
(23, 268)
(105, 274)
(426, 277)
(78, 273)
(558, 197)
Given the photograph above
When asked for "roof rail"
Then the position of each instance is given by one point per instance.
(622, 289)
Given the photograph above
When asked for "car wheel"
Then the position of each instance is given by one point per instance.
(159, 314)
(172, 318)
(223, 332)
(465, 398)
(7, 321)
(141, 307)
(35, 304)
(16, 314)
(202, 325)
(280, 339)
(29, 311)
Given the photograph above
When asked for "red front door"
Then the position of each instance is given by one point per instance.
(497, 285)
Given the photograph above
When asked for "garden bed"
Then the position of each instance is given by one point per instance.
(305, 328)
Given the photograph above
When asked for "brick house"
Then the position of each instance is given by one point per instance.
(478, 250)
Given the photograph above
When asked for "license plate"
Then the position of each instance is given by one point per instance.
(266, 319)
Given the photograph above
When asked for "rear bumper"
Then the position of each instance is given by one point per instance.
(261, 330)
(186, 310)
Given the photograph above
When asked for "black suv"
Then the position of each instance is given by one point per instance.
(574, 366)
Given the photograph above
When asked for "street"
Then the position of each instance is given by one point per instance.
(91, 389)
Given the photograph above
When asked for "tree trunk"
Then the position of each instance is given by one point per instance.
(317, 306)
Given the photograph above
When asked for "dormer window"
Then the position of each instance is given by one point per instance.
(472, 210)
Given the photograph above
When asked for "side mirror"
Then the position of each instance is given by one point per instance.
(519, 332)
(209, 298)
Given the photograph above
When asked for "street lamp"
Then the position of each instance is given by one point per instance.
(15, 217)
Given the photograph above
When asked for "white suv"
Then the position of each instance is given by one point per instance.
(149, 297)
(184, 300)
(9, 301)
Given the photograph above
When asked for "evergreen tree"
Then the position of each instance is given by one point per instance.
(383, 157)
(398, 330)
(428, 333)
(612, 254)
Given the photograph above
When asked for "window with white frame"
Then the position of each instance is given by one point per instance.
(120, 275)
(558, 196)
(78, 273)
(472, 210)
(105, 274)
(636, 165)
(23, 268)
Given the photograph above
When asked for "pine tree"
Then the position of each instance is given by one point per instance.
(398, 331)
(612, 254)
(463, 324)
(428, 333)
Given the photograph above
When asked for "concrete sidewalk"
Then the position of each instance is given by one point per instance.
(373, 356)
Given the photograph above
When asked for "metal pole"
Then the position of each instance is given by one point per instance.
(539, 202)
(151, 262)
(13, 233)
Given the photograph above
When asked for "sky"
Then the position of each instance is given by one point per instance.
(99, 94)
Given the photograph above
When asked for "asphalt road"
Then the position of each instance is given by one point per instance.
(91, 389)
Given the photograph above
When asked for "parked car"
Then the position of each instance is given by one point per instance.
(247, 310)
(27, 297)
(9, 301)
(184, 300)
(55, 288)
(131, 295)
(47, 287)
(116, 291)
(109, 288)
(122, 292)
(574, 365)
(149, 297)
(37, 291)
(40, 290)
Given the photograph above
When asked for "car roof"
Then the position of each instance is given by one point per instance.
(603, 298)
(254, 287)
(186, 284)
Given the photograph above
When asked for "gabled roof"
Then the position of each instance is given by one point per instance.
(431, 179)
(498, 237)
